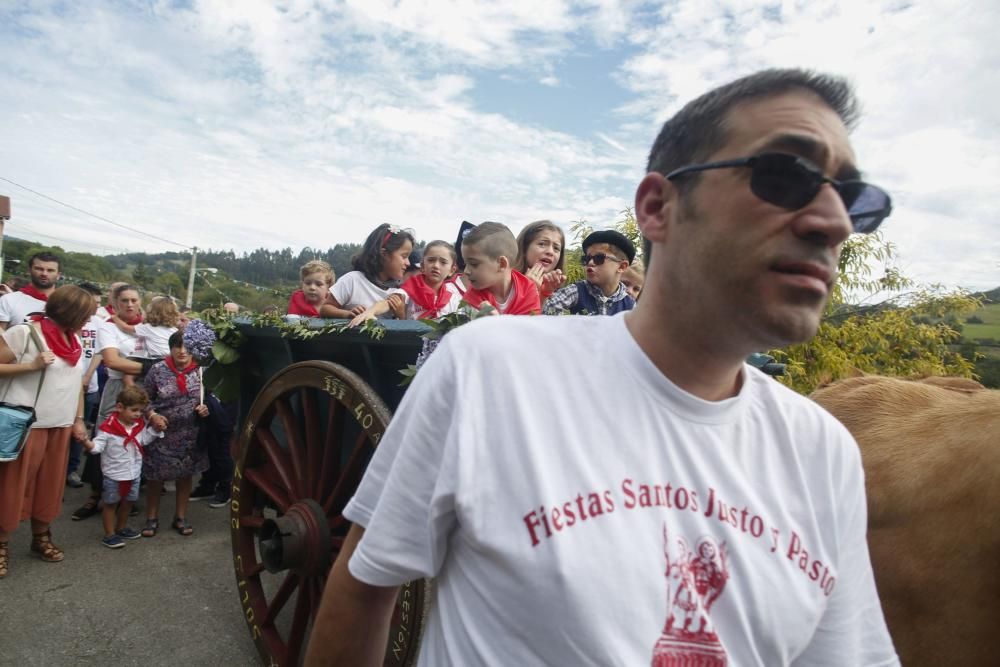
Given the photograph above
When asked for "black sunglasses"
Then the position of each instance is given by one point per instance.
(791, 182)
(597, 259)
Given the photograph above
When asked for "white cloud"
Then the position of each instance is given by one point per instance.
(927, 74)
(244, 123)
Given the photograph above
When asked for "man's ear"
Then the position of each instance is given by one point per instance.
(655, 201)
(503, 262)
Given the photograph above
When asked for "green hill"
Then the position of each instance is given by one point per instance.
(989, 328)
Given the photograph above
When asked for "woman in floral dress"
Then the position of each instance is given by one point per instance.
(174, 388)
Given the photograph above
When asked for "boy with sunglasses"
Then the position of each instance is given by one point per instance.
(727, 526)
(607, 254)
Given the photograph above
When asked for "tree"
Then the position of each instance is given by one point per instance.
(169, 283)
(911, 331)
(141, 275)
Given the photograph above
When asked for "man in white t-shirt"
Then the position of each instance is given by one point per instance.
(626, 490)
(17, 307)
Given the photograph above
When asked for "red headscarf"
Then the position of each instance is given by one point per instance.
(524, 301)
(60, 342)
(298, 305)
(180, 374)
(424, 296)
(33, 292)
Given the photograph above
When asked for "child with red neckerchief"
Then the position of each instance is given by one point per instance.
(316, 278)
(120, 441)
(489, 251)
(431, 294)
(153, 333)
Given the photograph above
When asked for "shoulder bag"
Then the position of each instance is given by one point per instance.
(16, 420)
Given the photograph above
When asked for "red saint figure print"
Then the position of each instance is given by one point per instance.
(695, 580)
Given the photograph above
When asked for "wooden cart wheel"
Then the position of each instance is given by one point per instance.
(302, 452)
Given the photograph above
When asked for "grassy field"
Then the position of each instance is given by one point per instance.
(990, 328)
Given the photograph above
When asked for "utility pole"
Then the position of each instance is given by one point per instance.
(190, 295)
(4, 217)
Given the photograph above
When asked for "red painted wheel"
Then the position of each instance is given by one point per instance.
(302, 452)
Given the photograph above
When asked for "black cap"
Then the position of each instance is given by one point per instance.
(610, 236)
(415, 258)
(463, 231)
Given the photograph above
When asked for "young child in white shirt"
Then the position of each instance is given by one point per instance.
(120, 439)
(153, 333)
(378, 272)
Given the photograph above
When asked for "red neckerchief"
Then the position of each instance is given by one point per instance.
(457, 282)
(60, 342)
(110, 309)
(524, 301)
(114, 427)
(298, 305)
(33, 292)
(131, 323)
(424, 296)
(180, 375)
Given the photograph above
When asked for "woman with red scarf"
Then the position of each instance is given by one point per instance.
(174, 387)
(115, 347)
(32, 486)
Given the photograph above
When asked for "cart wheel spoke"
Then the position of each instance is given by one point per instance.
(277, 460)
(350, 477)
(335, 422)
(269, 487)
(251, 522)
(293, 437)
(314, 446)
(280, 598)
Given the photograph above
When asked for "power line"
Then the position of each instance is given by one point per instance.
(94, 215)
(100, 246)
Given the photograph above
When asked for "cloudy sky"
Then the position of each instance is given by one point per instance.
(246, 123)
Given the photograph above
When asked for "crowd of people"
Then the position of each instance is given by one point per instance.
(486, 266)
(116, 381)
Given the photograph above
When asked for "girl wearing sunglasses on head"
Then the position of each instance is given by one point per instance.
(378, 272)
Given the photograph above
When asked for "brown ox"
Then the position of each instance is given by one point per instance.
(931, 452)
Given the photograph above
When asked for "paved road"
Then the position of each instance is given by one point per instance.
(169, 599)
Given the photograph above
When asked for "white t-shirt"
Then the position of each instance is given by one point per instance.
(108, 335)
(60, 397)
(88, 340)
(353, 289)
(119, 462)
(17, 306)
(153, 341)
(603, 516)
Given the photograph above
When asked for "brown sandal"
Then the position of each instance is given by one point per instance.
(42, 545)
(3, 559)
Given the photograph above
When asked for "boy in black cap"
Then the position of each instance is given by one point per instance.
(606, 256)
